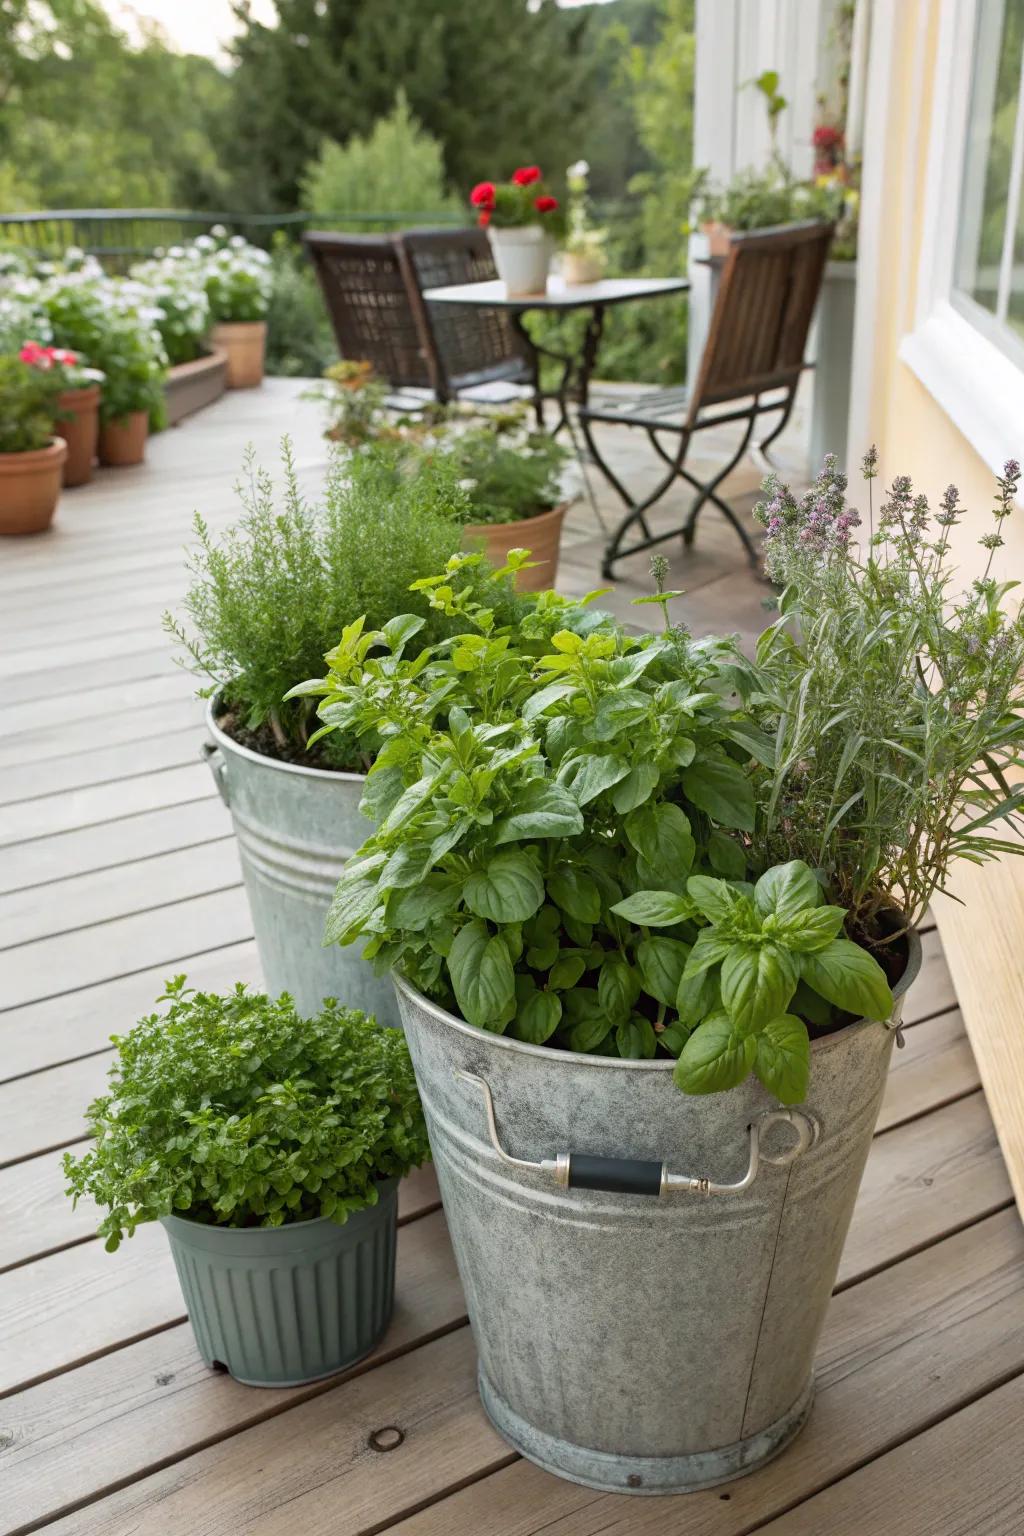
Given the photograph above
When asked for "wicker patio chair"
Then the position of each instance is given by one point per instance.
(366, 289)
(750, 368)
(474, 352)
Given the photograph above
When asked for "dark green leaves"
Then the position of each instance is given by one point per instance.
(543, 809)
(508, 890)
(481, 973)
(717, 1056)
(537, 1015)
(661, 962)
(783, 1061)
(575, 892)
(850, 978)
(719, 787)
(618, 987)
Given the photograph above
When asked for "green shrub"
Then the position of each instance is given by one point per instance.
(300, 341)
(271, 597)
(233, 1111)
(398, 168)
(507, 471)
(28, 405)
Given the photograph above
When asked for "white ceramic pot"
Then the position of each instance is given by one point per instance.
(522, 256)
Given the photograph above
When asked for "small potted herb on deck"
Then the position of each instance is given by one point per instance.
(270, 1147)
(239, 279)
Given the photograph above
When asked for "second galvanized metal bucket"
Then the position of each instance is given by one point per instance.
(296, 829)
(646, 1273)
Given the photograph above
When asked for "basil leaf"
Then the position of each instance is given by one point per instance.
(543, 810)
(636, 1039)
(575, 892)
(617, 713)
(353, 902)
(655, 909)
(661, 835)
(786, 890)
(722, 789)
(508, 890)
(726, 857)
(588, 776)
(698, 996)
(710, 948)
(537, 1018)
(482, 978)
(715, 898)
(811, 931)
(850, 978)
(566, 972)
(638, 786)
(783, 1061)
(758, 981)
(673, 1038)
(618, 987)
(661, 963)
(589, 1022)
(417, 906)
(716, 1056)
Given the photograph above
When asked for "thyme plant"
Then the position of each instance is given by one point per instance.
(893, 696)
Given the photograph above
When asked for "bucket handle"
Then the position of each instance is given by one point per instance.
(636, 1176)
(212, 754)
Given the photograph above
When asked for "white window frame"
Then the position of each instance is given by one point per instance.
(951, 350)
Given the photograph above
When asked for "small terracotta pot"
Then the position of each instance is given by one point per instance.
(719, 237)
(541, 535)
(80, 429)
(123, 441)
(244, 341)
(30, 487)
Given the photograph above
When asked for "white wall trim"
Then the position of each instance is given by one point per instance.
(980, 389)
(951, 92)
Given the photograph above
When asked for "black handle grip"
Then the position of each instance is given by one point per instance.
(617, 1175)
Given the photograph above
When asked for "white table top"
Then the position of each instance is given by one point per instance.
(560, 295)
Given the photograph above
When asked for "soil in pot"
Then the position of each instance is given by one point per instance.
(123, 441)
(245, 342)
(541, 535)
(30, 488)
(79, 426)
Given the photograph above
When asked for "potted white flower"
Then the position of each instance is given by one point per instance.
(521, 218)
(583, 252)
(239, 278)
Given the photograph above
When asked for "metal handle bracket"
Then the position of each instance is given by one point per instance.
(636, 1176)
(211, 754)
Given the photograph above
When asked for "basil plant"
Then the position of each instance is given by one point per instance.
(564, 816)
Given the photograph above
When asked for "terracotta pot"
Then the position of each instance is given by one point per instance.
(80, 429)
(580, 268)
(30, 487)
(541, 535)
(718, 237)
(123, 441)
(244, 341)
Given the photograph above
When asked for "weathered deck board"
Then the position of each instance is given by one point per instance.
(109, 882)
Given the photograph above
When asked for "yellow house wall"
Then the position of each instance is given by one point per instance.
(913, 433)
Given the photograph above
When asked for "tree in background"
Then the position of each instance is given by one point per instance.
(498, 80)
(396, 168)
(87, 120)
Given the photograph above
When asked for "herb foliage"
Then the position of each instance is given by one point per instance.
(233, 1111)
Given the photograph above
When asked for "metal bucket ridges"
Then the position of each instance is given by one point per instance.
(278, 1306)
(296, 828)
(646, 1343)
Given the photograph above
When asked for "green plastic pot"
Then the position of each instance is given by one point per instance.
(279, 1306)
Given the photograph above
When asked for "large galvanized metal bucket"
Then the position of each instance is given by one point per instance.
(646, 1273)
(296, 829)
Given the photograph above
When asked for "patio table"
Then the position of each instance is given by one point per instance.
(577, 368)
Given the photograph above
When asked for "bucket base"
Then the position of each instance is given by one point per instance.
(644, 1474)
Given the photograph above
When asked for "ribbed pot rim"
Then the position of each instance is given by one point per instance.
(233, 1234)
(227, 744)
(581, 1059)
(34, 458)
(538, 520)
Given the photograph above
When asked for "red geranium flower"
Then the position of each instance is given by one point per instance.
(826, 137)
(482, 195)
(484, 217)
(545, 204)
(526, 175)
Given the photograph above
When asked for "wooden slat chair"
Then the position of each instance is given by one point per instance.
(366, 289)
(474, 352)
(750, 367)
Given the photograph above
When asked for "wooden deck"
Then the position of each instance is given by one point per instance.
(117, 868)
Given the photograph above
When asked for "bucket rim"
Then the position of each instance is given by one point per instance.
(665, 1064)
(228, 744)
